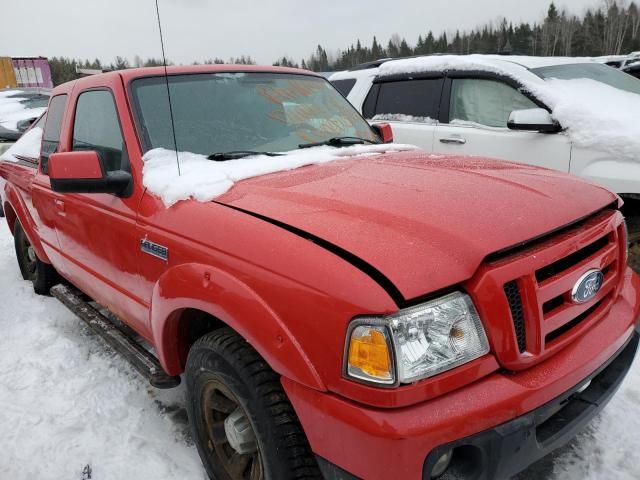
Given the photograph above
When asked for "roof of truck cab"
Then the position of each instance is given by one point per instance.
(133, 73)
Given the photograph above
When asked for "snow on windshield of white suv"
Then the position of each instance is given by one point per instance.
(593, 71)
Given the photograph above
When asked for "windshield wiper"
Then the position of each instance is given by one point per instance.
(236, 154)
(339, 142)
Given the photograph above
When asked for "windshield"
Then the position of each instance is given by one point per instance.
(593, 71)
(224, 112)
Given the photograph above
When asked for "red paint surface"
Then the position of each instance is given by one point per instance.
(75, 166)
(424, 223)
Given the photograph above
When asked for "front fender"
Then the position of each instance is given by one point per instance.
(211, 290)
(16, 202)
(618, 175)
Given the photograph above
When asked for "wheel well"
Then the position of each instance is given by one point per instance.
(193, 324)
(10, 215)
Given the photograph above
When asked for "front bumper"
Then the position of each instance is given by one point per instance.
(506, 450)
(511, 419)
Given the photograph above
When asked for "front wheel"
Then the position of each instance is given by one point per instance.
(42, 275)
(243, 424)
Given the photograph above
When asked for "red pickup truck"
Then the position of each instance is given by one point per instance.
(389, 314)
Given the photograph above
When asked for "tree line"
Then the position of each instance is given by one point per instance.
(612, 28)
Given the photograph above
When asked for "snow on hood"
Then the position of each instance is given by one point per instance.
(12, 111)
(28, 145)
(594, 114)
(204, 180)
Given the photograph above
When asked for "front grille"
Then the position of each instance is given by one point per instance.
(566, 263)
(536, 282)
(512, 292)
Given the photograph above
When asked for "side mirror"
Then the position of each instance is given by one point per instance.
(384, 131)
(533, 119)
(82, 172)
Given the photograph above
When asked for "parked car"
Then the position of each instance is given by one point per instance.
(484, 105)
(618, 61)
(633, 69)
(19, 108)
(340, 307)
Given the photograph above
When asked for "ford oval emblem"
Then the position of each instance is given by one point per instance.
(587, 286)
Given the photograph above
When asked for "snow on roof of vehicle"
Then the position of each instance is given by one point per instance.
(513, 66)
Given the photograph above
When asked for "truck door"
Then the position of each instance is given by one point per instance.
(473, 121)
(43, 198)
(97, 232)
(410, 105)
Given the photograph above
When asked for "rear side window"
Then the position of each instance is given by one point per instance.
(344, 86)
(96, 127)
(485, 102)
(414, 98)
(51, 136)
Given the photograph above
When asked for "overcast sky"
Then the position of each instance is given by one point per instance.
(266, 30)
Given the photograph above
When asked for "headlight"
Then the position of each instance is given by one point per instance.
(415, 343)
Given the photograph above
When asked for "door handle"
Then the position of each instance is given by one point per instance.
(59, 205)
(453, 140)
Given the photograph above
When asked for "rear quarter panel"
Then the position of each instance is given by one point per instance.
(18, 202)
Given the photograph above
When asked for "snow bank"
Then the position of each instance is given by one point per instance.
(27, 146)
(400, 117)
(204, 180)
(67, 401)
(595, 115)
(12, 111)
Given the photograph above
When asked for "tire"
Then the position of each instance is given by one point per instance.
(42, 275)
(228, 380)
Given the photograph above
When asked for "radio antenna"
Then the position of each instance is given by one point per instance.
(166, 79)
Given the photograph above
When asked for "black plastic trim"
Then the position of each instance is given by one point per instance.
(330, 471)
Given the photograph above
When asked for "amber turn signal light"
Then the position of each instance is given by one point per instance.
(369, 354)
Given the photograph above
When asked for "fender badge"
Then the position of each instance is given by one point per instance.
(154, 249)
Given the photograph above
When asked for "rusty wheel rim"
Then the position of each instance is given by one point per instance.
(220, 409)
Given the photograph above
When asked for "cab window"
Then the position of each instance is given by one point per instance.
(409, 100)
(96, 127)
(344, 86)
(51, 135)
(485, 102)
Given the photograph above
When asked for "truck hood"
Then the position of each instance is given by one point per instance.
(423, 222)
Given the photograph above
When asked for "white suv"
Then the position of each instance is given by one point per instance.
(512, 108)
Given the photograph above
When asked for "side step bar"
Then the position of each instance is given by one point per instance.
(142, 360)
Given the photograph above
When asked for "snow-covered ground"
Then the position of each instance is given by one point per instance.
(68, 406)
